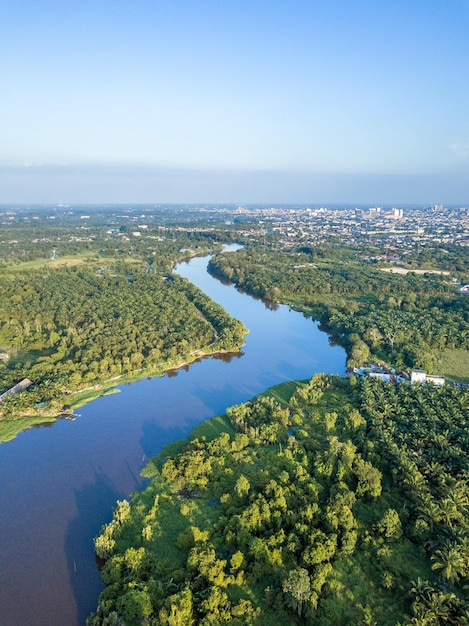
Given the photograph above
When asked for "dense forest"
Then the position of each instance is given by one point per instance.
(327, 502)
(97, 310)
(80, 327)
(330, 501)
(403, 319)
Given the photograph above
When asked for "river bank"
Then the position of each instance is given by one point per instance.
(10, 428)
(294, 485)
(60, 482)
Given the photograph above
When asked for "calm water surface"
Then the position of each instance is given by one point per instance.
(59, 484)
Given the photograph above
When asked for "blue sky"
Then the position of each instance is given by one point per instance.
(360, 101)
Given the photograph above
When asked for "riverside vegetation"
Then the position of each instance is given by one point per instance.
(326, 502)
(334, 503)
(330, 501)
(103, 311)
(408, 321)
(85, 305)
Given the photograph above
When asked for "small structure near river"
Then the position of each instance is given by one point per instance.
(421, 377)
(377, 371)
(390, 375)
(21, 386)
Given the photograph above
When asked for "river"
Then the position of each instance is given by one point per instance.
(60, 483)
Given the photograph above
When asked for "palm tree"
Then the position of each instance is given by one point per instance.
(448, 511)
(459, 497)
(430, 511)
(438, 605)
(450, 561)
(420, 588)
(422, 618)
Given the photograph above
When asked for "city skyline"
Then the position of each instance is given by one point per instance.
(250, 102)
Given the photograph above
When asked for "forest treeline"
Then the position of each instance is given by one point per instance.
(344, 502)
(404, 319)
(92, 319)
(74, 327)
(103, 239)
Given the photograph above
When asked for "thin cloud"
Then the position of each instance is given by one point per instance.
(32, 164)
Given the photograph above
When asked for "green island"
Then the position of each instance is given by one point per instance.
(328, 501)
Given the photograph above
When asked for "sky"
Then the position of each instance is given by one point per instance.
(247, 101)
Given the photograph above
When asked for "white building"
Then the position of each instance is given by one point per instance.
(419, 376)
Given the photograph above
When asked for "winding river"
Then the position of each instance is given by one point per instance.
(59, 483)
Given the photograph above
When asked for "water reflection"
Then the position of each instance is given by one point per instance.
(227, 357)
(82, 564)
(60, 483)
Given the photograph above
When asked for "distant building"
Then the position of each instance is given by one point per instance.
(21, 386)
(439, 381)
(421, 377)
(386, 378)
(396, 214)
(417, 376)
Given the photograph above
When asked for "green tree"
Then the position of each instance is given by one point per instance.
(242, 486)
(297, 588)
(135, 605)
(449, 561)
(390, 525)
(178, 610)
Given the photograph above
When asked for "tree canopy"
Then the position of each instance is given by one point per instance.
(340, 504)
(404, 319)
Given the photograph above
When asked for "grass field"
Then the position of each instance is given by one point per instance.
(66, 260)
(88, 256)
(283, 392)
(454, 366)
(10, 428)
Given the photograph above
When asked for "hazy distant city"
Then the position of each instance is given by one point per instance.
(391, 229)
